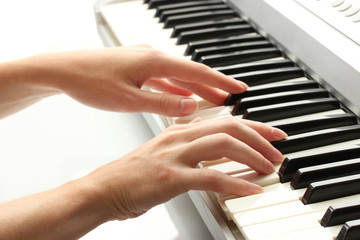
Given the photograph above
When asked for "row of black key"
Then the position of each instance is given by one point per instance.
(216, 36)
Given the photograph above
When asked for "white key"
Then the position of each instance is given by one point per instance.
(211, 113)
(271, 213)
(257, 178)
(288, 209)
(261, 200)
(230, 167)
(309, 233)
(281, 226)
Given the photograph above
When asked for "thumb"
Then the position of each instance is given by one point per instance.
(168, 104)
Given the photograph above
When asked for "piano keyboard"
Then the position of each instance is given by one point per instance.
(314, 193)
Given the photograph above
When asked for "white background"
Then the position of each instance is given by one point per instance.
(59, 139)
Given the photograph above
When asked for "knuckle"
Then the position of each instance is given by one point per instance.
(164, 102)
(213, 180)
(223, 140)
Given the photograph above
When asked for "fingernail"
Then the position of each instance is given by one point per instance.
(187, 106)
(243, 85)
(278, 133)
(254, 189)
(269, 167)
(278, 156)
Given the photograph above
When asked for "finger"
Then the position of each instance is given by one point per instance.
(196, 120)
(164, 86)
(270, 133)
(166, 104)
(221, 145)
(192, 72)
(208, 93)
(243, 133)
(211, 180)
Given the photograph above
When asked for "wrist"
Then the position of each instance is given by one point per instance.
(34, 75)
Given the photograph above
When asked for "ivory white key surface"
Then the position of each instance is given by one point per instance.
(317, 233)
(286, 210)
(281, 226)
(230, 167)
(271, 213)
(211, 113)
(260, 200)
(257, 178)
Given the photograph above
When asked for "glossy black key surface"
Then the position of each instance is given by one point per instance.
(255, 66)
(304, 176)
(318, 138)
(221, 41)
(269, 76)
(350, 231)
(177, 12)
(341, 213)
(240, 57)
(318, 123)
(292, 109)
(266, 89)
(171, 6)
(282, 97)
(200, 52)
(206, 24)
(208, 33)
(332, 189)
(290, 165)
(202, 16)
(157, 3)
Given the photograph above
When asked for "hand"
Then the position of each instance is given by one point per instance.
(111, 79)
(165, 166)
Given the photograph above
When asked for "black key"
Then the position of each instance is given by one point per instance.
(197, 17)
(160, 9)
(332, 189)
(207, 24)
(305, 176)
(265, 89)
(319, 138)
(157, 3)
(208, 33)
(268, 76)
(321, 122)
(240, 57)
(221, 41)
(341, 213)
(350, 231)
(184, 11)
(243, 104)
(254, 66)
(290, 165)
(292, 109)
(200, 52)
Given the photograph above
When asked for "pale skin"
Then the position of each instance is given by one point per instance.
(111, 80)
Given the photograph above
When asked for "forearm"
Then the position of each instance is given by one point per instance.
(67, 212)
(22, 83)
